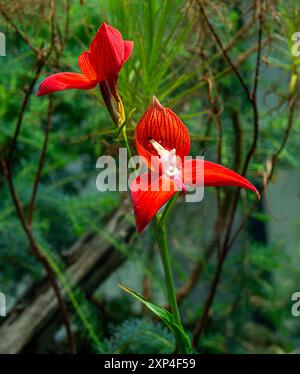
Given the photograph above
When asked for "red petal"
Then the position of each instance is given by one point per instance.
(86, 67)
(128, 48)
(107, 51)
(214, 175)
(162, 125)
(147, 199)
(64, 81)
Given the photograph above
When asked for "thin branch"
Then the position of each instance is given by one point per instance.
(269, 176)
(238, 142)
(38, 254)
(239, 34)
(193, 279)
(191, 282)
(67, 23)
(241, 58)
(42, 56)
(275, 157)
(258, 56)
(216, 112)
(254, 94)
(201, 323)
(253, 146)
(252, 100)
(41, 161)
(24, 104)
(224, 51)
(18, 31)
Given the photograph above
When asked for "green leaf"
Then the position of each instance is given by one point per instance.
(262, 217)
(120, 128)
(183, 341)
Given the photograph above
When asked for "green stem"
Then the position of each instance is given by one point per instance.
(125, 139)
(163, 246)
(164, 251)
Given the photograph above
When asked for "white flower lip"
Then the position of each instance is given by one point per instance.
(168, 159)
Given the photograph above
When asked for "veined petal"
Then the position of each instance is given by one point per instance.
(148, 196)
(107, 52)
(214, 175)
(86, 67)
(64, 81)
(163, 126)
(128, 48)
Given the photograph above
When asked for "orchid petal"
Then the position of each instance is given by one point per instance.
(86, 67)
(103, 62)
(163, 126)
(214, 175)
(128, 48)
(107, 52)
(64, 81)
(148, 196)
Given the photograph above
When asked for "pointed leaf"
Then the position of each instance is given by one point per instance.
(183, 341)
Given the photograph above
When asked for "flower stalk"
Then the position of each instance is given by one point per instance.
(126, 143)
(164, 252)
(113, 103)
(162, 242)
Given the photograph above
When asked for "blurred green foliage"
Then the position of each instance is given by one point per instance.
(173, 55)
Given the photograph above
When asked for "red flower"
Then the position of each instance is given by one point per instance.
(101, 63)
(160, 133)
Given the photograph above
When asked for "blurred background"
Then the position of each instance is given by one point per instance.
(228, 70)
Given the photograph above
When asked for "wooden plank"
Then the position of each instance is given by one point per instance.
(91, 260)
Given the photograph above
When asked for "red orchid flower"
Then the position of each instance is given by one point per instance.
(161, 134)
(101, 65)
